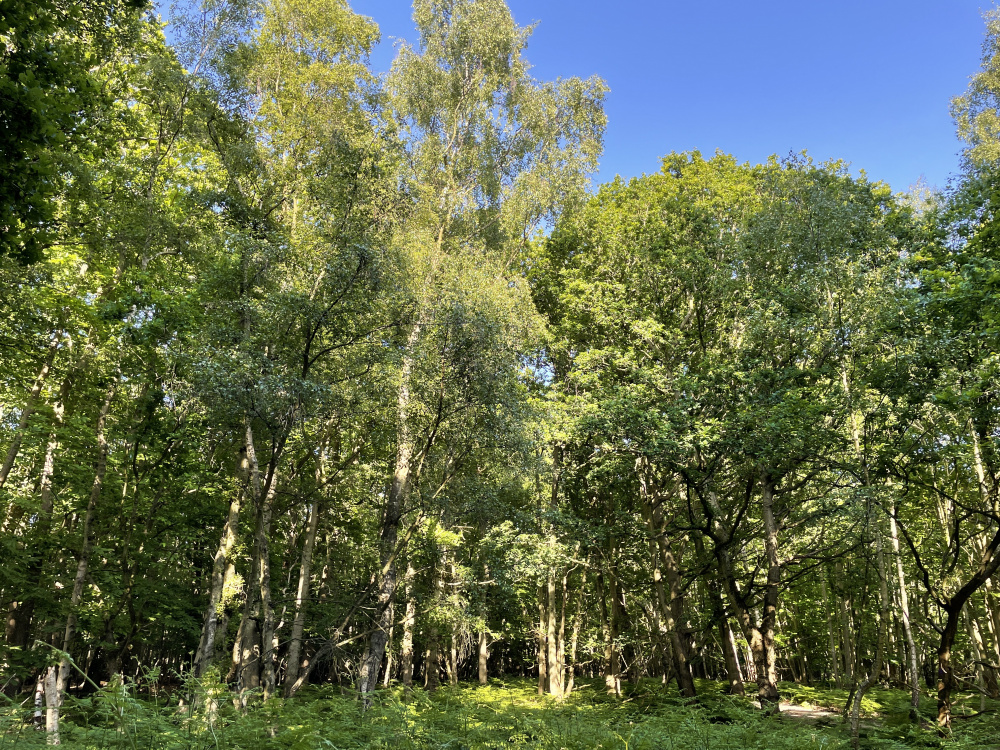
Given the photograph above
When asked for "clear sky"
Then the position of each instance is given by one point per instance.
(868, 82)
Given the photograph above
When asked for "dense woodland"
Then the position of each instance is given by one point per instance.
(311, 375)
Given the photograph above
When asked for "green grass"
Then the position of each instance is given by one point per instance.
(506, 714)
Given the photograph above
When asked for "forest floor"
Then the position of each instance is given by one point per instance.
(505, 714)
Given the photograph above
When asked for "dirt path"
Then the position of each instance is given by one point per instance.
(810, 715)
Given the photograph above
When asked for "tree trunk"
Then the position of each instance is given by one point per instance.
(767, 675)
(484, 656)
(609, 635)
(575, 635)
(395, 505)
(453, 658)
(53, 700)
(220, 566)
(253, 663)
(985, 678)
(913, 671)
(759, 639)
(989, 562)
(20, 612)
(671, 604)
(542, 657)
(302, 599)
(83, 562)
(846, 631)
(432, 667)
(406, 648)
(554, 670)
(733, 674)
(946, 676)
(19, 623)
(561, 633)
(880, 648)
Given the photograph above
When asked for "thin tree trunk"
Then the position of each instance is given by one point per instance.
(406, 648)
(831, 631)
(575, 635)
(983, 678)
(913, 671)
(53, 700)
(671, 604)
(395, 505)
(767, 676)
(846, 631)
(246, 651)
(880, 648)
(302, 599)
(253, 656)
(733, 675)
(452, 659)
(83, 562)
(609, 634)
(561, 634)
(541, 642)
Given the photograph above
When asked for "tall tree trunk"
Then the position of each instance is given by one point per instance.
(609, 634)
(39, 540)
(763, 642)
(574, 639)
(395, 505)
(83, 562)
(880, 649)
(302, 599)
(541, 642)
(253, 656)
(246, 650)
(670, 602)
(733, 675)
(669, 599)
(561, 633)
(20, 612)
(220, 565)
(452, 658)
(913, 671)
(676, 619)
(406, 648)
(831, 631)
(846, 630)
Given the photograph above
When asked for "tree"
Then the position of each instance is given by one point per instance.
(490, 153)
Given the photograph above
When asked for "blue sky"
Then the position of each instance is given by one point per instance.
(866, 82)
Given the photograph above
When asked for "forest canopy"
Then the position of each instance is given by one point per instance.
(315, 376)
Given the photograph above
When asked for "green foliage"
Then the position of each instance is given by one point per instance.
(52, 106)
(504, 714)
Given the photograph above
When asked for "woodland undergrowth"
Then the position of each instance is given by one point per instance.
(503, 715)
